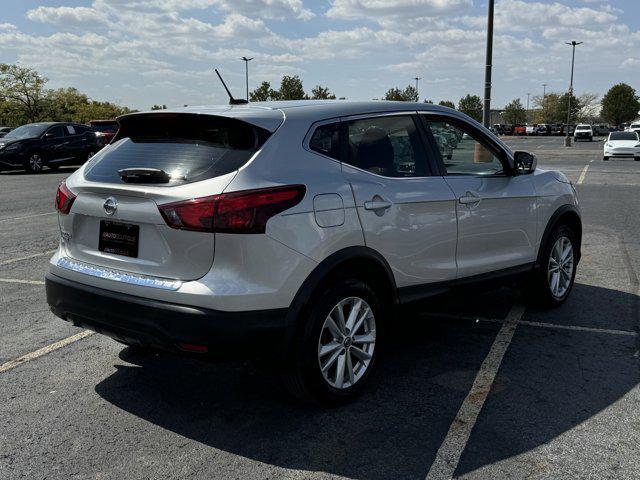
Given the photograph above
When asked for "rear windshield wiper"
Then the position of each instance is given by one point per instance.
(144, 175)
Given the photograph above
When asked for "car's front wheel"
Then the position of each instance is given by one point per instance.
(553, 281)
(35, 162)
(606, 159)
(337, 347)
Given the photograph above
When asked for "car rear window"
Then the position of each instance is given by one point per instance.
(623, 136)
(188, 147)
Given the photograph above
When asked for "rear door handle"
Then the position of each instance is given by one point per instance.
(377, 205)
(470, 198)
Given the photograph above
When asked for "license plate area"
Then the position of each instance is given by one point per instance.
(119, 238)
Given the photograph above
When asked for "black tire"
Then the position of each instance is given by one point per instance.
(637, 159)
(538, 291)
(605, 159)
(302, 376)
(33, 165)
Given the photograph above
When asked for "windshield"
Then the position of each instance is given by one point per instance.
(32, 130)
(635, 125)
(623, 136)
(583, 127)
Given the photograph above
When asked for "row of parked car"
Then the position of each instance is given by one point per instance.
(547, 129)
(52, 144)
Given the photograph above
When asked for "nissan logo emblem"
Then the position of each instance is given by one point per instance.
(110, 205)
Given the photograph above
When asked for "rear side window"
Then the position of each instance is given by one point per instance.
(326, 140)
(188, 147)
(387, 146)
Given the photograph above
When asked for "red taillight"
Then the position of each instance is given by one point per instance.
(64, 199)
(238, 212)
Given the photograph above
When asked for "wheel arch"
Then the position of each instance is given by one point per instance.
(564, 215)
(363, 262)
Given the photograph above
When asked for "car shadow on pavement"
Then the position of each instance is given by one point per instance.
(396, 428)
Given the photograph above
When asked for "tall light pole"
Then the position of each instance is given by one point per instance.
(417, 79)
(486, 111)
(544, 90)
(528, 95)
(573, 43)
(246, 71)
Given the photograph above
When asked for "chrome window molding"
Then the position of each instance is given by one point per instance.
(118, 275)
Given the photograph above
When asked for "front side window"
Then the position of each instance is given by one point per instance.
(387, 146)
(462, 152)
(326, 140)
(56, 132)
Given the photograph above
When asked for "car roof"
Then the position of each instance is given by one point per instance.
(270, 115)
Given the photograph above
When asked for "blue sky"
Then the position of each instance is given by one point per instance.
(142, 52)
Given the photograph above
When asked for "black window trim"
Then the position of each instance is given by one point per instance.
(502, 154)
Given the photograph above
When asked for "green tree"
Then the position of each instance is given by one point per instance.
(563, 106)
(23, 90)
(471, 105)
(547, 111)
(514, 112)
(291, 88)
(321, 93)
(447, 103)
(409, 94)
(620, 104)
(62, 104)
(263, 93)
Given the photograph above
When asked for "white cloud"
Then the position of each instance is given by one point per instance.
(66, 15)
(382, 10)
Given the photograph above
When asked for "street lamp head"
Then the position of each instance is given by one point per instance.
(247, 59)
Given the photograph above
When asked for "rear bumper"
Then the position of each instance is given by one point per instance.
(169, 326)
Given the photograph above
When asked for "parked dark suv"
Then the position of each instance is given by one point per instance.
(36, 145)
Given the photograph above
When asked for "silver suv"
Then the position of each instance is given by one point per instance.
(298, 228)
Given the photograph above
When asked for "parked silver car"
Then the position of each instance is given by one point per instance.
(299, 228)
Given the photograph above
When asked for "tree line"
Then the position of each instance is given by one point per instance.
(619, 105)
(24, 98)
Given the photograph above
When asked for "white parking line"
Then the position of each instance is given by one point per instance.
(528, 323)
(583, 174)
(19, 259)
(19, 280)
(450, 451)
(27, 216)
(44, 350)
(578, 328)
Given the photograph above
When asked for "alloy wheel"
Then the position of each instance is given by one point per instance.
(35, 163)
(347, 341)
(560, 268)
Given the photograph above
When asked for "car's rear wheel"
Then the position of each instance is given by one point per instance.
(553, 281)
(35, 162)
(606, 159)
(337, 347)
(637, 159)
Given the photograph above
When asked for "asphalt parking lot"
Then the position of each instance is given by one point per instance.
(477, 389)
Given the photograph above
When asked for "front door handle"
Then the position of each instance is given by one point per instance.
(470, 198)
(377, 205)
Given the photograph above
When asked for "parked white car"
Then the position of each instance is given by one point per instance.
(583, 132)
(621, 145)
(299, 228)
(635, 127)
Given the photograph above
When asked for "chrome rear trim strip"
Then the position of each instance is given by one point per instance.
(118, 275)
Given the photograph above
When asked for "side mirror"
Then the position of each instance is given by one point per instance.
(524, 162)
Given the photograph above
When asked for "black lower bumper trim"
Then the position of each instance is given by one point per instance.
(136, 320)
